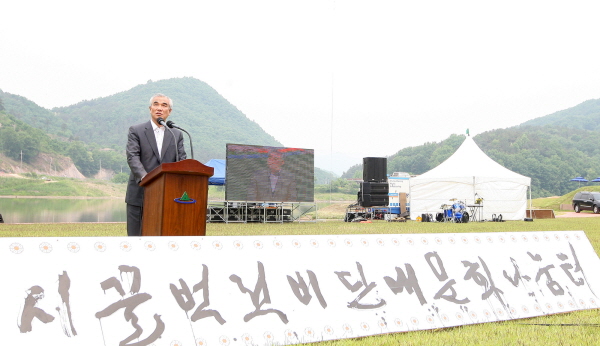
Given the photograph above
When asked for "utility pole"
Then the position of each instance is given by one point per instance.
(21, 159)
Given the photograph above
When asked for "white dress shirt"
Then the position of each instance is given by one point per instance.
(159, 134)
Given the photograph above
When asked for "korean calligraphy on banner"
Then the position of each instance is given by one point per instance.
(263, 290)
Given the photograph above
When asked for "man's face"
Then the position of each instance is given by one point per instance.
(275, 161)
(160, 109)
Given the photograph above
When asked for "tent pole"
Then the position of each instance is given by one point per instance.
(530, 201)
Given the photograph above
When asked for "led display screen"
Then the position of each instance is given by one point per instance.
(269, 174)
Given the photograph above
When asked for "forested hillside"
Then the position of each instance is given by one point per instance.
(33, 150)
(584, 116)
(93, 133)
(550, 150)
(210, 119)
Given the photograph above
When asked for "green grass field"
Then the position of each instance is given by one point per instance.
(577, 328)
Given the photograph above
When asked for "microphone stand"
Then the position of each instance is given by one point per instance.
(171, 124)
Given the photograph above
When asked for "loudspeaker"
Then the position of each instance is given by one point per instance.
(374, 169)
(374, 188)
(369, 200)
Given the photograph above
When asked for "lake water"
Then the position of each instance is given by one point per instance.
(45, 210)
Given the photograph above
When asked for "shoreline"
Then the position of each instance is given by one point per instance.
(65, 197)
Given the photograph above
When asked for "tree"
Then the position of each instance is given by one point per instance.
(19, 144)
(83, 159)
(120, 178)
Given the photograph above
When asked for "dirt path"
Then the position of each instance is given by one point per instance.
(582, 214)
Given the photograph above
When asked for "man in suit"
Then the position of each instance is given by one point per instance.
(148, 145)
(274, 184)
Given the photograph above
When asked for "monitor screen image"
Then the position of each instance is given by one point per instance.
(269, 174)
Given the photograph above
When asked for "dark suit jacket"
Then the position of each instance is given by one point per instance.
(259, 188)
(142, 156)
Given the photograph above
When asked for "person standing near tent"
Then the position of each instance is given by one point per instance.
(149, 145)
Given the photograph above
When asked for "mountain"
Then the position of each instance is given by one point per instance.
(30, 113)
(584, 116)
(551, 150)
(323, 177)
(209, 118)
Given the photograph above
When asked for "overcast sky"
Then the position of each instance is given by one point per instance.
(349, 79)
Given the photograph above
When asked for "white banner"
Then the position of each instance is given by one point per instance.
(262, 290)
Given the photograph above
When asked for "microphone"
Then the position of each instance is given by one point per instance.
(171, 125)
(161, 121)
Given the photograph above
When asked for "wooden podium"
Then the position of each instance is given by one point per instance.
(167, 210)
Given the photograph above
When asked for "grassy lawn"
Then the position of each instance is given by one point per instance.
(577, 328)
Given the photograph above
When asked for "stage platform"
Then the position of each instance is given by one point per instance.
(264, 212)
(356, 213)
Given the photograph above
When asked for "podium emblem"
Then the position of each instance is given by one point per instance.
(185, 199)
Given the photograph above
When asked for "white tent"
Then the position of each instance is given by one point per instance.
(465, 176)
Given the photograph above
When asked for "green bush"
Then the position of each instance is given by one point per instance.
(120, 178)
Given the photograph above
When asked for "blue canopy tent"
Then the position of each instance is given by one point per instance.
(218, 177)
(597, 180)
(580, 180)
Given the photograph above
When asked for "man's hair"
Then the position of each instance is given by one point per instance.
(162, 95)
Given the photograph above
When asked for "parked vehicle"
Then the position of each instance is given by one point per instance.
(585, 200)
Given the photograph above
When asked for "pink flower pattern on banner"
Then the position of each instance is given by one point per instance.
(224, 340)
(364, 326)
(247, 339)
(73, 247)
(125, 246)
(150, 246)
(100, 247)
(269, 339)
(45, 247)
(238, 245)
